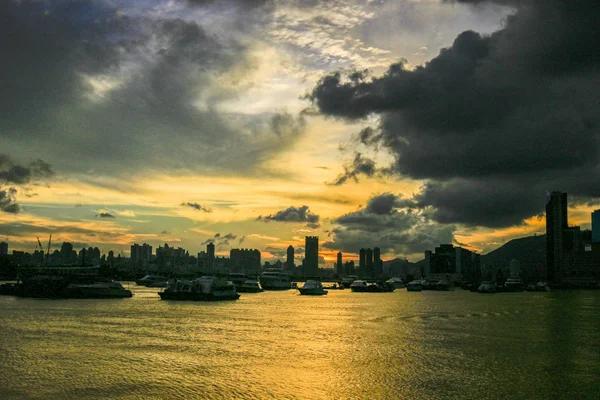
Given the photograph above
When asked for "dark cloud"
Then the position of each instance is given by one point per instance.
(11, 172)
(109, 85)
(493, 121)
(196, 206)
(293, 214)
(105, 215)
(358, 166)
(220, 240)
(8, 201)
(385, 223)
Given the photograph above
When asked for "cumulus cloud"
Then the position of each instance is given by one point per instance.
(294, 214)
(197, 207)
(8, 201)
(220, 240)
(12, 173)
(114, 84)
(387, 223)
(494, 120)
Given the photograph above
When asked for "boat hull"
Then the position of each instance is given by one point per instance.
(192, 296)
(98, 294)
(242, 289)
(312, 292)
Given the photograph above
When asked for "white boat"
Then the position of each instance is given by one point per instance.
(396, 282)
(347, 280)
(275, 281)
(414, 286)
(250, 286)
(97, 290)
(150, 279)
(487, 287)
(513, 285)
(359, 286)
(313, 288)
(205, 288)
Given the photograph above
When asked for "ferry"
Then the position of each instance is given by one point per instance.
(275, 281)
(250, 286)
(347, 281)
(312, 288)
(206, 288)
(414, 286)
(149, 280)
(97, 290)
(398, 283)
(513, 285)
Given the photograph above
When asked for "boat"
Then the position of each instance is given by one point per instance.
(359, 286)
(97, 290)
(238, 278)
(414, 286)
(150, 279)
(250, 286)
(513, 285)
(313, 288)
(271, 280)
(347, 281)
(542, 287)
(487, 287)
(398, 283)
(205, 288)
(378, 287)
(335, 286)
(444, 285)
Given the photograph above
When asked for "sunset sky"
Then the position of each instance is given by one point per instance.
(399, 124)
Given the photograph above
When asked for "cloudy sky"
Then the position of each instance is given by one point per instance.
(400, 124)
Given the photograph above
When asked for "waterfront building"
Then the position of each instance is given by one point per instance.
(339, 266)
(455, 262)
(244, 260)
(556, 223)
(362, 261)
(377, 263)
(210, 256)
(3, 249)
(289, 263)
(311, 256)
(369, 263)
(596, 226)
(140, 255)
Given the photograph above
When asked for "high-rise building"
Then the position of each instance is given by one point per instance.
(244, 260)
(596, 226)
(369, 262)
(289, 263)
(362, 260)
(66, 253)
(210, 256)
(377, 263)
(339, 267)
(3, 249)
(311, 255)
(556, 223)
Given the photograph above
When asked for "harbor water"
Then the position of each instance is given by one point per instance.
(280, 345)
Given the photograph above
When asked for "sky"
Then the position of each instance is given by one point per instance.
(398, 124)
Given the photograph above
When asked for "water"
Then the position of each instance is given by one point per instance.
(428, 345)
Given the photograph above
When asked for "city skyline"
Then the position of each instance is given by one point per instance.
(255, 124)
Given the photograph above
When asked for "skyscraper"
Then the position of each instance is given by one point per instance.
(339, 267)
(369, 262)
(210, 256)
(362, 257)
(3, 249)
(377, 263)
(289, 263)
(596, 226)
(311, 255)
(556, 223)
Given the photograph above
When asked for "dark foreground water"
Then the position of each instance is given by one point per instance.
(428, 345)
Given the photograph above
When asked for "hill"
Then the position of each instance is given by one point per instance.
(529, 251)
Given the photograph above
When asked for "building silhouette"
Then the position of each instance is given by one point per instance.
(556, 223)
(452, 262)
(362, 261)
(210, 256)
(244, 260)
(289, 263)
(140, 256)
(369, 263)
(311, 256)
(3, 249)
(339, 266)
(377, 263)
(596, 226)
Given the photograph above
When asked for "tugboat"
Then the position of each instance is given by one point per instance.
(312, 288)
(250, 286)
(414, 286)
(206, 288)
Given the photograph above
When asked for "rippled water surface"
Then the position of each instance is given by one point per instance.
(428, 345)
